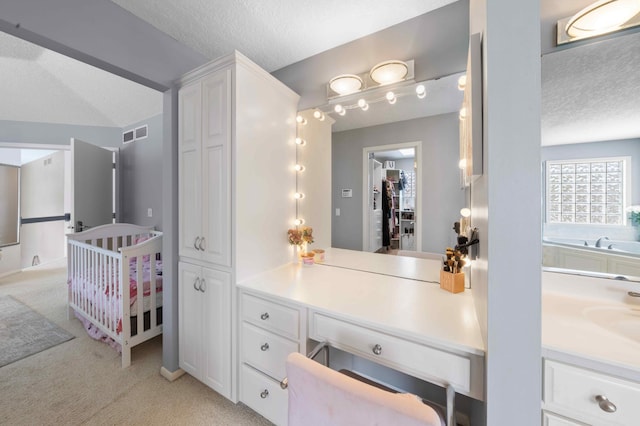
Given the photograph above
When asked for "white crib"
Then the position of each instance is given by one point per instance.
(101, 261)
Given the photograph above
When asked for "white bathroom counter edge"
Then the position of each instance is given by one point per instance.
(568, 336)
(406, 308)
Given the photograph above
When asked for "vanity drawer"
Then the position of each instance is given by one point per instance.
(264, 395)
(572, 391)
(266, 351)
(270, 315)
(549, 419)
(413, 358)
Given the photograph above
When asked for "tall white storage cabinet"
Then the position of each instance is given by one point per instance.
(236, 145)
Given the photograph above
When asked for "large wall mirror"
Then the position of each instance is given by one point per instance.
(591, 157)
(437, 44)
(10, 205)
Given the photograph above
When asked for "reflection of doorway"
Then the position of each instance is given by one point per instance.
(392, 223)
(46, 193)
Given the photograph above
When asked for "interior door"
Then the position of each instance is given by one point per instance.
(92, 181)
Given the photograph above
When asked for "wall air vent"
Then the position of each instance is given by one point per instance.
(142, 132)
(128, 136)
(136, 134)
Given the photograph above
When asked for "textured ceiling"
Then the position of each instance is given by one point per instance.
(273, 34)
(592, 92)
(40, 85)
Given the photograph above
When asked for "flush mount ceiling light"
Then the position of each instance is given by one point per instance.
(389, 72)
(601, 17)
(345, 84)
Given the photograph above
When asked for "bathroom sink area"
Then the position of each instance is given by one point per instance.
(621, 320)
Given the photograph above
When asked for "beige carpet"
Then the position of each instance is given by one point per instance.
(81, 382)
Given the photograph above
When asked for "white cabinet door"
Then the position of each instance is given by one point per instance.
(189, 170)
(216, 158)
(205, 326)
(204, 169)
(216, 315)
(190, 318)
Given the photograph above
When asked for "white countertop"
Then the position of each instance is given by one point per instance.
(569, 335)
(416, 310)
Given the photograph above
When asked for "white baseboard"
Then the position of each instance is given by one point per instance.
(171, 375)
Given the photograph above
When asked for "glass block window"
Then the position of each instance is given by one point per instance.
(587, 191)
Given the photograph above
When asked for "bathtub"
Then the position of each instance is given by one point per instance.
(617, 257)
(623, 246)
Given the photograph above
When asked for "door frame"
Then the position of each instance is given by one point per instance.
(417, 146)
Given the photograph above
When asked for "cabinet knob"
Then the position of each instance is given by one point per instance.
(264, 394)
(605, 404)
(264, 347)
(196, 284)
(201, 245)
(196, 243)
(264, 316)
(377, 349)
(203, 285)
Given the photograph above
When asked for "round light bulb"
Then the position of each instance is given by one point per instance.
(463, 113)
(462, 81)
(465, 212)
(363, 104)
(318, 115)
(340, 109)
(421, 91)
(463, 163)
(299, 168)
(298, 222)
(391, 97)
(300, 141)
(298, 195)
(301, 120)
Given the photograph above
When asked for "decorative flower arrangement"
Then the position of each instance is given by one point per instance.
(634, 214)
(300, 237)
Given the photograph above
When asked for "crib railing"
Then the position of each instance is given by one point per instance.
(94, 283)
(99, 279)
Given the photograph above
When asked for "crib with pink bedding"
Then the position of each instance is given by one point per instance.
(106, 265)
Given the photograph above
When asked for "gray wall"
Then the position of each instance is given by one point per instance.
(440, 190)
(141, 175)
(58, 134)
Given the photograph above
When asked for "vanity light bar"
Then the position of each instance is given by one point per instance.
(364, 103)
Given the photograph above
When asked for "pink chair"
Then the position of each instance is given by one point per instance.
(319, 395)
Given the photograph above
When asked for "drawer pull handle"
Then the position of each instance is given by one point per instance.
(196, 243)
(196, 283)
(264, 394)
(377, 349)
(264, 316)
(264, 347)
(605, 404)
